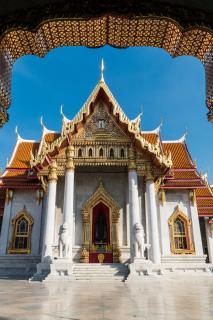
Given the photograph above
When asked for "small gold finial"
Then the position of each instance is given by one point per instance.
(70, 158)
(53, 172)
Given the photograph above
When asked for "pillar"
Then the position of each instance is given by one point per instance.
(209, 238)
(6, 223)
(49, 228)
(196, 229)
(68, 208)
(133, 201)
(155, 245)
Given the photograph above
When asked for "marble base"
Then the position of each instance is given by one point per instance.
(59, 269)
(140, 267)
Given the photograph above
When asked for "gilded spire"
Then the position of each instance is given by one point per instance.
(102, 70)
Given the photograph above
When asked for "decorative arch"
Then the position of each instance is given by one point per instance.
(100, 196)
(90, 153)
(21, 235)
(101, 152)
(180, 233)
(79, 153)
(169, 28)
(111, 153)
(122, 154)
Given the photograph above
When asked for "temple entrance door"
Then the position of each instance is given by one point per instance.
(100, 215)
(101, 247)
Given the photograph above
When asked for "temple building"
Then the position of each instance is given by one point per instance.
(103, 192)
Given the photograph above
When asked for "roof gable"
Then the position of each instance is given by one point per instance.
(100, 125)
(84, 126)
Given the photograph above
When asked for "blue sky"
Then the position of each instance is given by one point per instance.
(172, 90)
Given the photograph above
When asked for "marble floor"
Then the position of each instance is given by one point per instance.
(189, 298)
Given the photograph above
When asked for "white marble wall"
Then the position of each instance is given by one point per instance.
(28, 199)
(174, 198)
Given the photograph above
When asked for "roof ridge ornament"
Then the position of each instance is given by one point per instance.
(64, 118)
(183, 138)
(156, 130)
(18, 137)
(180, 140)
(102, 70)
(44, 128)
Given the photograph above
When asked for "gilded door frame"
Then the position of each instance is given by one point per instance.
(100, 195)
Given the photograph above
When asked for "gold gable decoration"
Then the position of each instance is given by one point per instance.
(68, 129)
(100, 126)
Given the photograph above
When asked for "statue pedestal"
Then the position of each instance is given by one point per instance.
(58, 269)
(140, 267)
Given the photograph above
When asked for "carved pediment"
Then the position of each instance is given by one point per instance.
(101, 125)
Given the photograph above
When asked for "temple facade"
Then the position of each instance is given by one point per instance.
(104, 191)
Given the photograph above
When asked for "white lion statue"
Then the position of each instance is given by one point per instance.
(140, 244)
(64, 241)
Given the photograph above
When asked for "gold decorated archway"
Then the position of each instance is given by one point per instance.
(100, 195)
(109, 29)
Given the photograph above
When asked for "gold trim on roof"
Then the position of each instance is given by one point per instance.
(133, 128)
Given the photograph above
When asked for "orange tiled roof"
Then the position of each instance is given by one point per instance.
(50, 137)
(204, 198)
(16, 173)
(21, 159)
(179, 153)
(203, 192)
(150, 137)
(183, 173)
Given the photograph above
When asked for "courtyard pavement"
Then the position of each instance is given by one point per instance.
(189, 298)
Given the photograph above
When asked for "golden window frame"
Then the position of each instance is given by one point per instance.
(187, 224)
(12, 248)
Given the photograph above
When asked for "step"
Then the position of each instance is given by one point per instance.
(97, 272)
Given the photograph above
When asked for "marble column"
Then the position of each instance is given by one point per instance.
(209, 238)
(49, 228)
(196, 229)
(133, 207)
(68, 208)
(6, 223)
(155, 245)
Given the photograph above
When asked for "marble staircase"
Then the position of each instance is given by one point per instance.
(63, 271)
(100, 272)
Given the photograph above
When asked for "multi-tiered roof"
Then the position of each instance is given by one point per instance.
(171, 156)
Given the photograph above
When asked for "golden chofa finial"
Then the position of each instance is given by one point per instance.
(102, 70)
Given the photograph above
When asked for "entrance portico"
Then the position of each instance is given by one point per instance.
(100, 206)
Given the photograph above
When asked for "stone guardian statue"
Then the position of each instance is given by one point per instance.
(64, 241)
(140, 244)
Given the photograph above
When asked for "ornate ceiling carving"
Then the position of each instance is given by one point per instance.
(44, 25)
